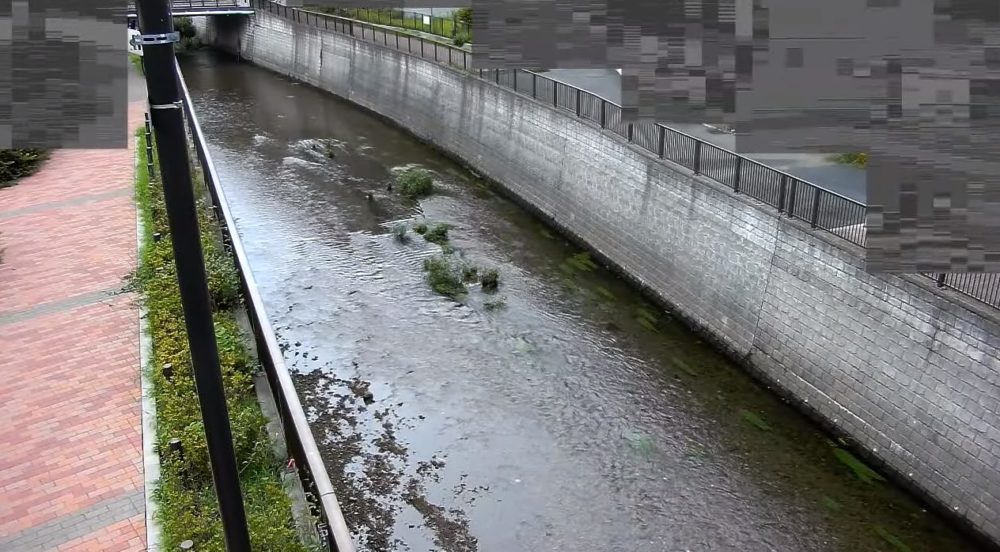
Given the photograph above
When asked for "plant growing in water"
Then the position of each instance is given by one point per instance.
(420, 229)
(444, 277)
(470, 273)
(495, 304)
(399, 231)
(489, 280)
(415, 183)
(438, 234)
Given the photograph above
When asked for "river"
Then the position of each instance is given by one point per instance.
(562, 412)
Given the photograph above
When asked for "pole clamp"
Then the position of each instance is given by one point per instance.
(163, 38)
(174, 105)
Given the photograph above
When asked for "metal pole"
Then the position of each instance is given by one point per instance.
(163, 86)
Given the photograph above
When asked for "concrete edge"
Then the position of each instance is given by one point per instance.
(150, 459)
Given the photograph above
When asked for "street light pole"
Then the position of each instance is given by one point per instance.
(167, 116)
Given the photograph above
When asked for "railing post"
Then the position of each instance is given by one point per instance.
(515, 80)
(534, 86)
(449, 55)
(555, 94)
(578, 102)
(697, 157)
(815, 209)
(661, 141)
(629, 133)
(781, 193)
(421, 47)
(497, 75)
(791, 198)
(940, 279)
(465, 61)
(736, 175)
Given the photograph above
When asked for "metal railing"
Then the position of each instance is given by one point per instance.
(793, 197)
(441, 26)
(302, 448)
(180, 6)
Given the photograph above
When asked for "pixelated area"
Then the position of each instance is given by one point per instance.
(65, 68)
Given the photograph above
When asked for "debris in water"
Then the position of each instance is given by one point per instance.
(860, 469)
(582, 262)
(755, 420)
(605, 293)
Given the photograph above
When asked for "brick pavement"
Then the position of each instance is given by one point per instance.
(71, 468)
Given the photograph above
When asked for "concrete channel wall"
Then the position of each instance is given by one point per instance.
(909, 373)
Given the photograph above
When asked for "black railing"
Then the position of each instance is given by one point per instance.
(332, 529)
(441, 26)
(180, 6)
(793, 197)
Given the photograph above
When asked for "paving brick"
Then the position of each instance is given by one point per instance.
(69, 375)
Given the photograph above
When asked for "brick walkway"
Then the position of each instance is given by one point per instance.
(71, 462)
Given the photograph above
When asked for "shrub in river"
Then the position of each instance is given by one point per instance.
(470, 273)
(438, 234)
(18, 163)
(420, 229)
(489, 280)
(399, 231)
(495, 304)
(444, 277)
(415, 183)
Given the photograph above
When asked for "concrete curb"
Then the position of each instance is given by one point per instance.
(150, 460)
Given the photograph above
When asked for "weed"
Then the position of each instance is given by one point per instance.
(489, 280)
(415, 183)
(438, 234)
(755, 420)
(859, 160)
(444, 277)
(888, 537)
(495, 304)
(582, 262)
(420, 229)
(399, 231)
(860, 469)
(470, 273)
(460, 38)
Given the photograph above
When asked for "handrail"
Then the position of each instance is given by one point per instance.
(302, 445)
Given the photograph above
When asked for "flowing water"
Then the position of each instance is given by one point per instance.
(563, 412)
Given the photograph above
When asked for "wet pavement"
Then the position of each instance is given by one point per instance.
(815, 168)
(562, 412)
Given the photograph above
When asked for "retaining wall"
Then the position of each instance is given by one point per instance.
(910, 373)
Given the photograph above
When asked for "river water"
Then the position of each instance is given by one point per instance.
(562, 412)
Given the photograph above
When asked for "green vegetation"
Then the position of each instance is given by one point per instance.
(136, 61)
(489, 280)
(437, 234)
(399, 231)
(859, 160)
(188, 508)
(460, 23)
(415, 183)
(444, 276)
(470, 273)
(420, 229)
(495, 304)
(189, 39)
(755, 420)
(18, 163)
(860, 469)
(460, 39)
(893, 540)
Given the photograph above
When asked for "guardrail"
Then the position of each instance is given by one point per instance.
(302, 448)
(793, 197)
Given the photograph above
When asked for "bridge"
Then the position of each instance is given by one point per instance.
(191, 8)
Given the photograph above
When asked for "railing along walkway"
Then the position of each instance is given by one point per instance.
(793, 197)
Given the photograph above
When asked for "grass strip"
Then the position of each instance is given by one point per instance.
(188, 508)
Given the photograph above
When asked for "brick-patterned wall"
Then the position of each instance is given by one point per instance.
(912, 375)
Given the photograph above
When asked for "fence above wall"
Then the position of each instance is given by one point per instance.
(793, 197)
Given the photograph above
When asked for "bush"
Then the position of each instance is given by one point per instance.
(415, 183)
(489, 280)
(438, 234)
(444, 277)
(859, 160)
(18, 163)
(420, 229)
(464, 16)
(460, 38)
